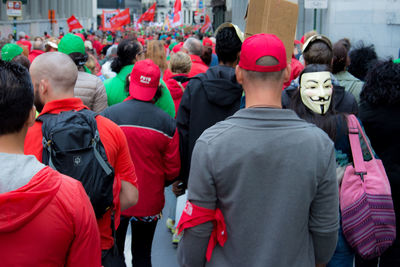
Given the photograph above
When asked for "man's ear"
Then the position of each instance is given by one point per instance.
(287, 72)
(31, 118)
(239, 74)
(44, 87)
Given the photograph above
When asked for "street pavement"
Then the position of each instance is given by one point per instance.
(163, 252)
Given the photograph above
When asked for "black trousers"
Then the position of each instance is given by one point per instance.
(142, 240)
(390, 258)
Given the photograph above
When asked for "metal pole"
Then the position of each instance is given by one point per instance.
(315, 19)
(15, 28)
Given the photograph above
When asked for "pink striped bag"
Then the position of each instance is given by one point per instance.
(368, 218)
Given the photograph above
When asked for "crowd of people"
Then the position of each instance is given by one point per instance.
(256, 144)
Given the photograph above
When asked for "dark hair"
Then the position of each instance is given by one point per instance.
(79, 58)
(362, 57)
(382, 84)
(340, 56)
(207, 55)
(126, 54)
(346, 43)
(318, 53)
(23, 60)
(326, 122)
(228, 45)
(16, 97)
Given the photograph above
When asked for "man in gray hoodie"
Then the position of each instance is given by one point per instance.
(268, 173)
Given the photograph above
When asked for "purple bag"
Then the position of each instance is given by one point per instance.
(368, 219)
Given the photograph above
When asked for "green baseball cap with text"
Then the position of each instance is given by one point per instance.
(10, 51)
(71, 43)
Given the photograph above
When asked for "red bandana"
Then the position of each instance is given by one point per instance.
(194, 215)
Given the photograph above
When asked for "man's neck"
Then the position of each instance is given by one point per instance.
(13, 143)
(262, 97)
(59, 96)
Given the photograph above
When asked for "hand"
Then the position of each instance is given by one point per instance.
(178, 187)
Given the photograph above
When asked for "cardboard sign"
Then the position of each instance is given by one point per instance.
(277, 17)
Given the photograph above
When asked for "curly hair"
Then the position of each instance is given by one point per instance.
(382, 84)
(362, 57)
(228, 45)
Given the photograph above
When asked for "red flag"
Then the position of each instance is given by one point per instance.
(73, 23)
(123, 18)
(148, 15)
(177, 14)
(206, 25)
(106, 18)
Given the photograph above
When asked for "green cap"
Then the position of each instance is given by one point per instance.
(71, 43)
(109, 38)
(10, 51)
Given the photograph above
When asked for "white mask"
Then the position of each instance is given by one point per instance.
(316, 91)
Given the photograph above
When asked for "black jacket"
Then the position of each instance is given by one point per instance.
(382, 125)
(208, 98)
(344, 101)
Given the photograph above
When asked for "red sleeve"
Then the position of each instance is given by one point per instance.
(116, 146)
(172, 160)
(33, 141)
(85, 249)
(124, 166)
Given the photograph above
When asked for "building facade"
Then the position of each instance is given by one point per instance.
(370, 21)
(35, 21)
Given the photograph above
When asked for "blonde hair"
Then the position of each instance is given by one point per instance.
(91, 64)
(180, 63)
(156, 52)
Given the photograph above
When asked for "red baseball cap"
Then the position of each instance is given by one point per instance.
(207, 42)
(262, 45)
(177, 47)
(145, 78)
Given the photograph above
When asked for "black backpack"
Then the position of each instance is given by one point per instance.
(72, 146)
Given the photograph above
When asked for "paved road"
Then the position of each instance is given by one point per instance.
(163, 252)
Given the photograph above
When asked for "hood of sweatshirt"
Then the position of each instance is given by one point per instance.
(174, 87)
(220, 85)
(20, 206)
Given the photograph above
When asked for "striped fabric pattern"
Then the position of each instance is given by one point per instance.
(369, 224)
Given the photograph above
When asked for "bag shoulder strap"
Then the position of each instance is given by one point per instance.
(181, 86)
(354, 130)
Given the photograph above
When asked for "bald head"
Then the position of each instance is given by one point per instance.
(58, 69)
(38, 45)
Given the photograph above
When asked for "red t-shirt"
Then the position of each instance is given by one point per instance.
(116, 148)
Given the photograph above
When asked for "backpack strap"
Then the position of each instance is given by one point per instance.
(358, 159)
(99, 158)
(181, 86)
